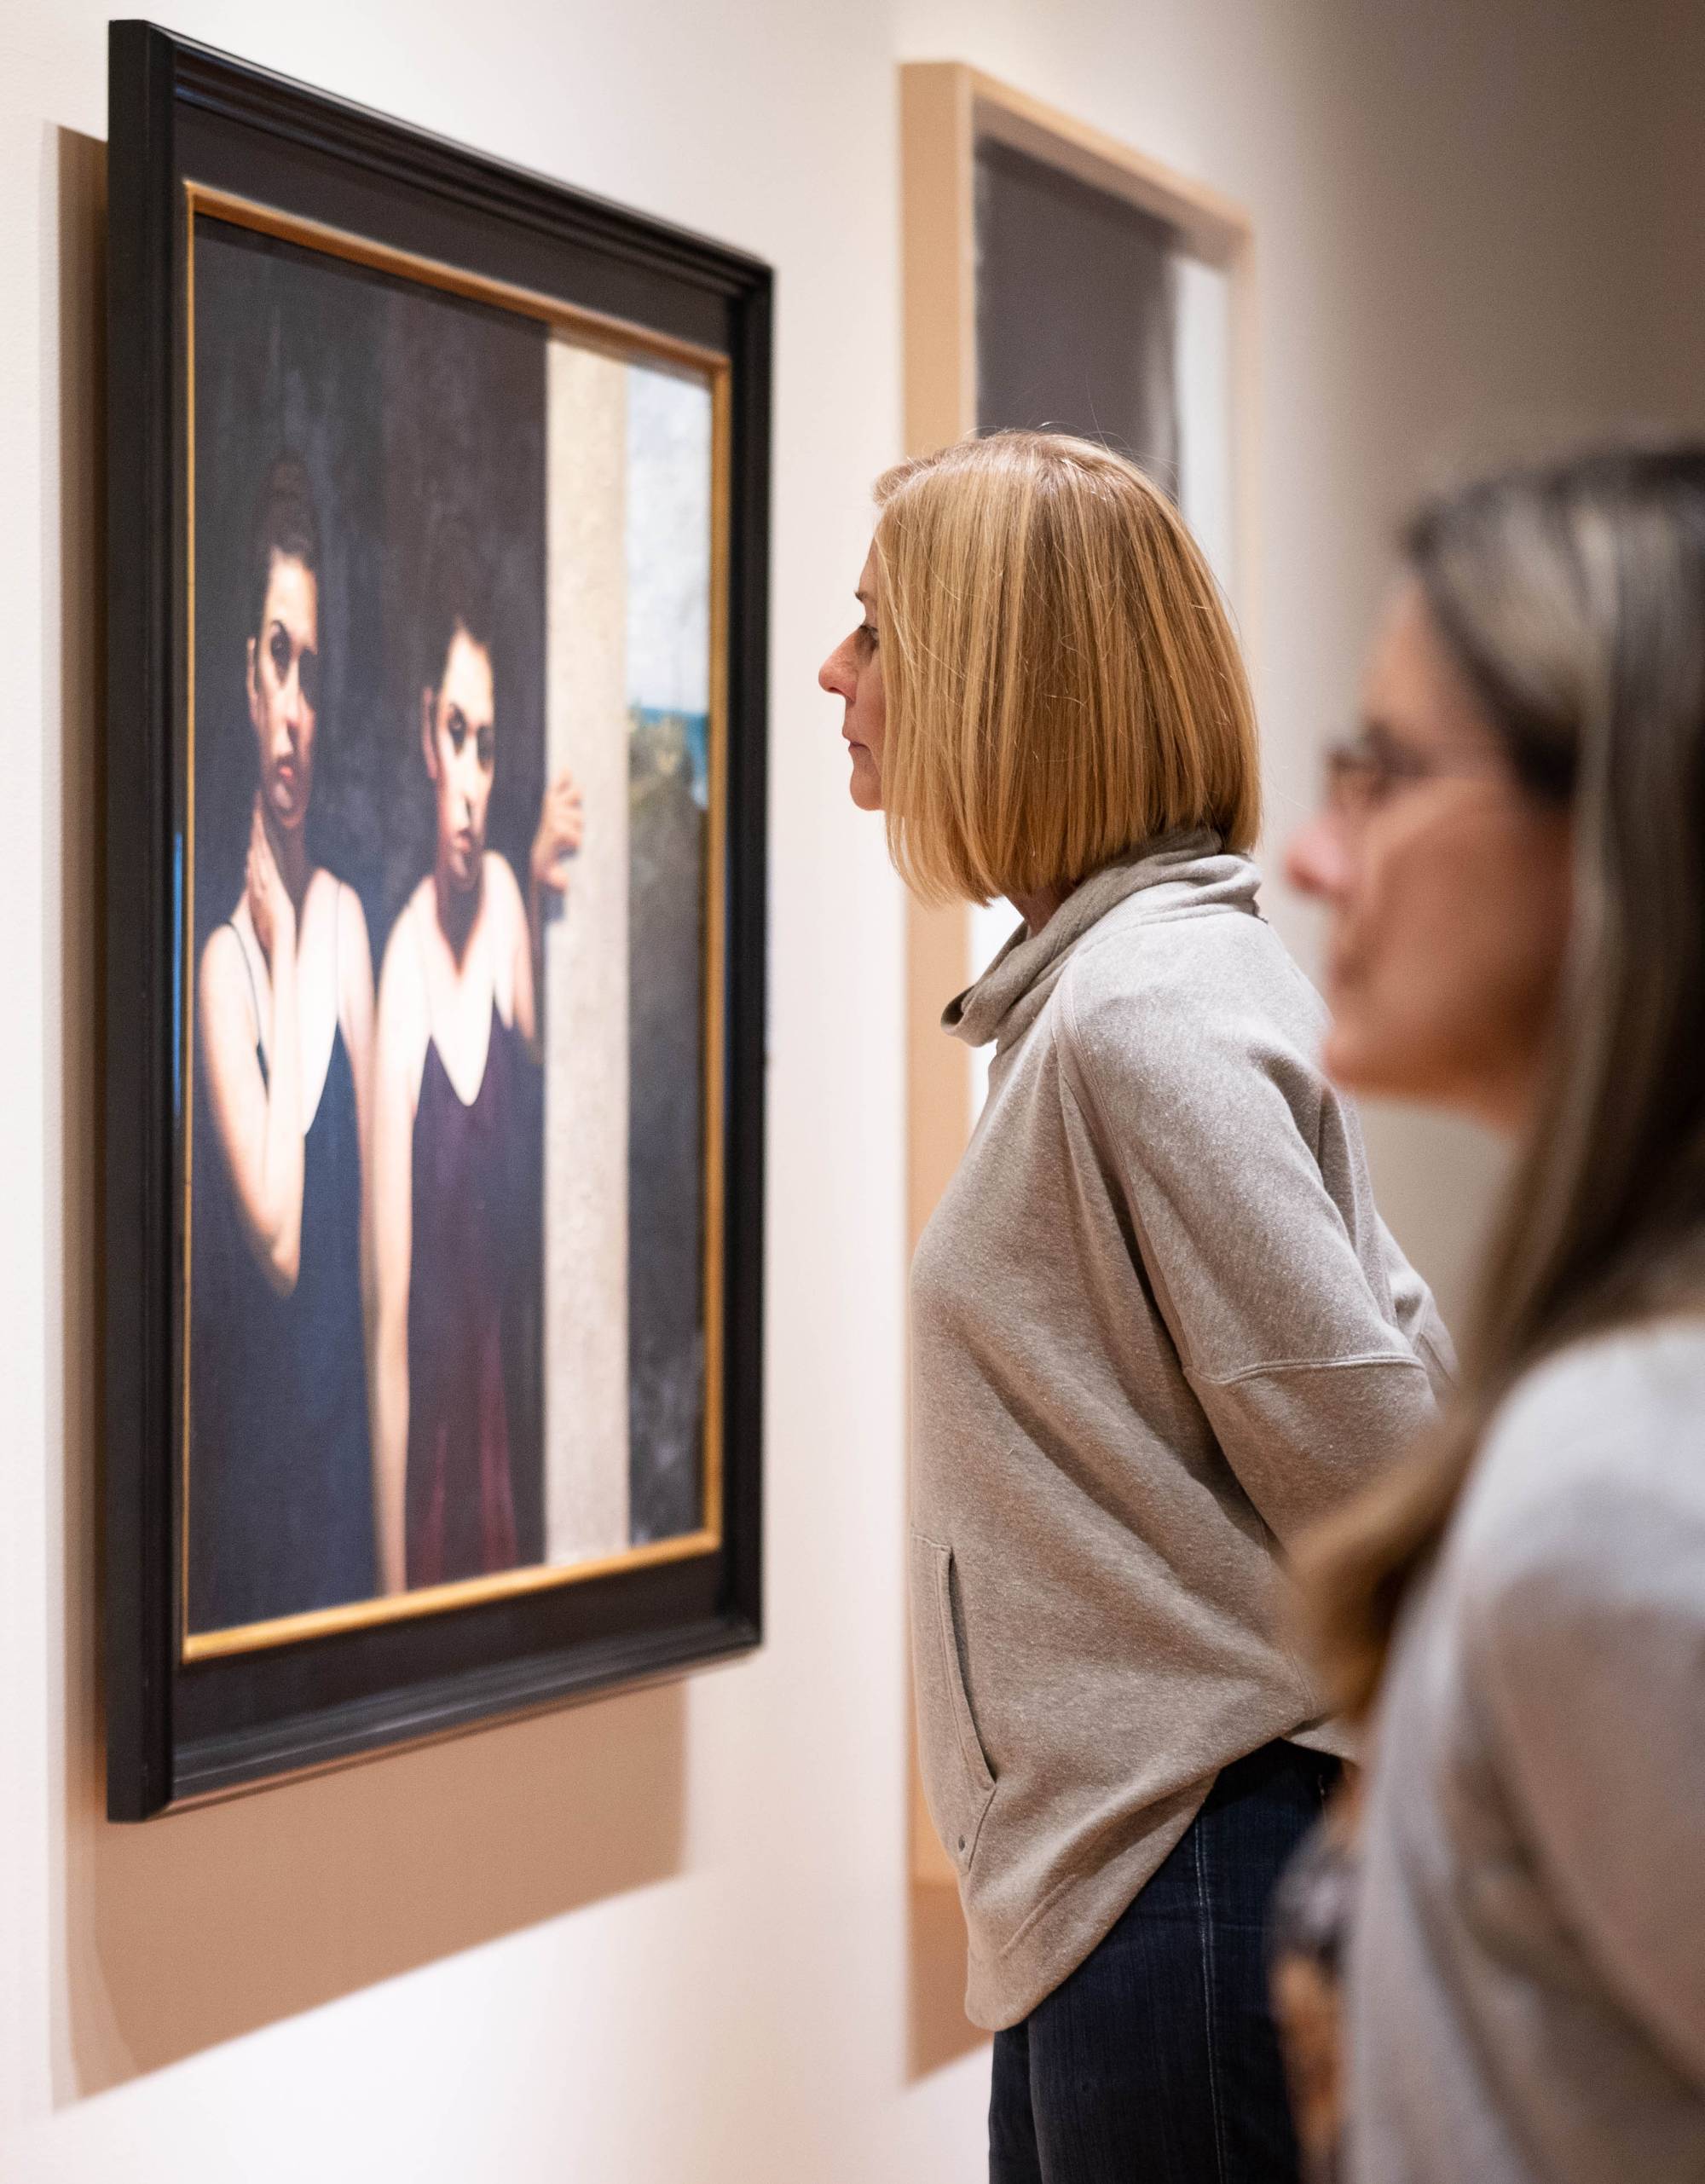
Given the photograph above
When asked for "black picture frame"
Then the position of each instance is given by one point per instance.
(182, 1731)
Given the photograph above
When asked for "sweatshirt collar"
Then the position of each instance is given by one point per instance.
(1010, 995)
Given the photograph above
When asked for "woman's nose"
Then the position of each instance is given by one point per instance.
(831, 676)
(1316, 858)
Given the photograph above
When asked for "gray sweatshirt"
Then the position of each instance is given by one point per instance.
(1157, 1329)
(1527, 1982)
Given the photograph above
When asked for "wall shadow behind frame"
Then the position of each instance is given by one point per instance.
(170, 1941)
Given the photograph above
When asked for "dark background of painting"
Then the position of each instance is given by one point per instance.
(407, 406)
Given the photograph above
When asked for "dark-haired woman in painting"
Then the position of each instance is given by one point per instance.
(456, 1168)
(281, 1475)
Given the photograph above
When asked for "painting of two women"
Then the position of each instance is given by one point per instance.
(411, 911)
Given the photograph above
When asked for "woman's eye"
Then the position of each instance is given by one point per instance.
(868, 631)
(280, 655)
(1395, 768)
(458, 729)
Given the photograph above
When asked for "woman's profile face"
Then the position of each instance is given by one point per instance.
(853, 674)
(284, 688)
(1447, 885)
(459, 736)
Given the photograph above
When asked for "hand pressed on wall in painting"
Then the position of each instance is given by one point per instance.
(557, 843)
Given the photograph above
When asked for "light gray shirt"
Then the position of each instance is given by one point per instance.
(1527, 1993)
(1157, 1329)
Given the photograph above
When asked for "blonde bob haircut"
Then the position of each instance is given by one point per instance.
(1060, 677)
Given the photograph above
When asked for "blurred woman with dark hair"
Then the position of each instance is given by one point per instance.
(459, 1019)
(281, 1492)
(1513, 853)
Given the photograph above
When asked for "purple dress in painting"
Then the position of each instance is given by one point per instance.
(467, 1273)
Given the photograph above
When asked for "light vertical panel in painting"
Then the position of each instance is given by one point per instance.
(587, 967)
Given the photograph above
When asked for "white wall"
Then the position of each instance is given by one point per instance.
(669, 1937)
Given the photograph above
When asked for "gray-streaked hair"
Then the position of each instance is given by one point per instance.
(1572, 594)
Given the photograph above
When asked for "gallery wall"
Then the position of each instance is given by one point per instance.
(669, 1937)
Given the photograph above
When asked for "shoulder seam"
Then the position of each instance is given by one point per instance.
(1271, 1367)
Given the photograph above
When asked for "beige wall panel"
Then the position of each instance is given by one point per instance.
(586, 967)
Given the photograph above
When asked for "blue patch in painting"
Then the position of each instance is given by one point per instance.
(177, 954)
(687, 732)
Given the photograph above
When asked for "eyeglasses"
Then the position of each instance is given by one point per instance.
(1364, 772)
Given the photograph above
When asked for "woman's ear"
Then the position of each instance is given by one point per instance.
(429, 742)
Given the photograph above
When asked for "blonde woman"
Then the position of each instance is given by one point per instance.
(1513, 852)
(1158, 1327)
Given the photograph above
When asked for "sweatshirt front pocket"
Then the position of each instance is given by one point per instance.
(957, 1784)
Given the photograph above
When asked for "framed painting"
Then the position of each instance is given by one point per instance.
(436, 792)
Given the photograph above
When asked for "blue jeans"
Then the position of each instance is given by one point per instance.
(1156, 2062)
